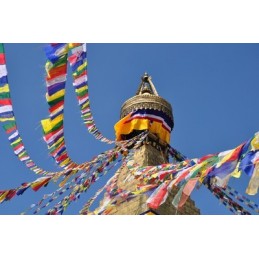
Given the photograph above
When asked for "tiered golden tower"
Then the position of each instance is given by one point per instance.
(153, 151)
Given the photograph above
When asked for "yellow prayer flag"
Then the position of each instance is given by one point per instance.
(85, 105)
(83, 66)
(48, 66)
(57, 142)
(67, 177)
(17, 141)
(81, 89)
(2, 196)
(73, 45)
(225, 157)
(253, 185)
(57, 120)
(65, 162)
(236, 173)
(46, 125)
(55, 96)
(255, 142)
(5, 89)
(6, 119)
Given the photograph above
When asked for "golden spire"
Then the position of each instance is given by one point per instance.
(146, 98)
(146, 86)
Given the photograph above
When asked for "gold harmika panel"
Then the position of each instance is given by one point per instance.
(146, 102)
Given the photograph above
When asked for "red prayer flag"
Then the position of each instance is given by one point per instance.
(236, 153)
(37, 185)
(187, 190)
(2, 59)
(10, 194)
(73, 59)
(57, 71)
(5, 102)
(56, 106)
(62, 157)
(159, 197)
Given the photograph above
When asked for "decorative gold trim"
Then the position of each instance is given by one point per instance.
(146, 102)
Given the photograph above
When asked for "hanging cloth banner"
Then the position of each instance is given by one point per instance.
(155, 121)
(78, 63)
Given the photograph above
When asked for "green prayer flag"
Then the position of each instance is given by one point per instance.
(1, 48)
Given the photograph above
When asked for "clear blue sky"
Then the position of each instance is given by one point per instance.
(213, 88)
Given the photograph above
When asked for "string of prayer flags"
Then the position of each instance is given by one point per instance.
(233, 206)
(92, 171)
(53, 128)
(86, 180)
(6, 109)
(214, 170)
(78, 63)
(241, 198)
(7, 195)
(176, 154)
(103, 160)
(188, 173)
(52, 197)
(83, 185)
(86, 208)
(7, 117)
